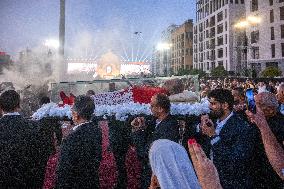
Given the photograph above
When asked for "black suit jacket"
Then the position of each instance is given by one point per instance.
(49, 127)
(265, 176)
(166, 129)
(22, 153)
(233, 153)
(80, 157)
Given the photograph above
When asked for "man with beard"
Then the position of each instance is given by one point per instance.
(163, 126)
(232, 141)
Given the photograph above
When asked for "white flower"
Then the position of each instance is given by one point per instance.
(52, 109)
(122, 111)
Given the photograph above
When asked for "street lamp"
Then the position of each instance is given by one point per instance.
(243, 25)
(164, 48)
(253, 20)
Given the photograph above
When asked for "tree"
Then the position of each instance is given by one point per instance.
(271, 72)
(183, 71)
(219, 71)
(201, 73)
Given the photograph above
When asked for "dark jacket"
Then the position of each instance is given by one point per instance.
(166, 129)
(80, 157)
(233, 153)
(49, 127)
(265, 176)
(22, 153)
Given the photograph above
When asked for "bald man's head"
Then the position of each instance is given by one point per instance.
(267, 102)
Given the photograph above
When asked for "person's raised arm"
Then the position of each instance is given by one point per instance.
(273, 150)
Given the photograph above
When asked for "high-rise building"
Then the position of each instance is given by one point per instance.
(175, 51)
(216, 40)
(182, 47)
(5, 61)
(161, 61)
(266, 39)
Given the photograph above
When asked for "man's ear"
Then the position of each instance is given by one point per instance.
(225, 106)
(75, 116)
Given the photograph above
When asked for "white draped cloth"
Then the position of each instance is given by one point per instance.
(170, 163)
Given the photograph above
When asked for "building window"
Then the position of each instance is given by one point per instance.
(272, 33)
(273, 50)
(219, 16)
(281, 1)
(254, 36)
(270, 2)
(220, 63)
(254, 5)
(282, 31)
(282, 13)
(282, 49)
(220, 53)
(219, 28)
(213, 65)
(220, 40)
(242, 1)
(212, 32)
(271, 64)
(271, 16)
(212, 21)
(255, 53)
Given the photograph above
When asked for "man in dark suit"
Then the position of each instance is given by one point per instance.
(265, 176)
(49, 127)
(164, 126)
(22, 152)
(232, 141)
(81, 151)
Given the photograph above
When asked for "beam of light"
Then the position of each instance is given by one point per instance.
(138, 50)
(163, 46)
(254, 19)
(132, 43)
(148, 56)
(125, 53)
(241, 24)
(124, 60)
(132, 53)
(149, 45)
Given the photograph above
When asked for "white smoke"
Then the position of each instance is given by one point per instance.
(33, 67)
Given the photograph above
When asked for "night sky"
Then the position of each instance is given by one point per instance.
(93, 27)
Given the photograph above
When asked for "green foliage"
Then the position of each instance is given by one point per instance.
(201, 73)
(219, 71)
(271, 72)
(182, 71)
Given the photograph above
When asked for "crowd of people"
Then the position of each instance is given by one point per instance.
(231, 147)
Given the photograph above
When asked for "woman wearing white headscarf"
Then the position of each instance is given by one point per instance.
(171, 165)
